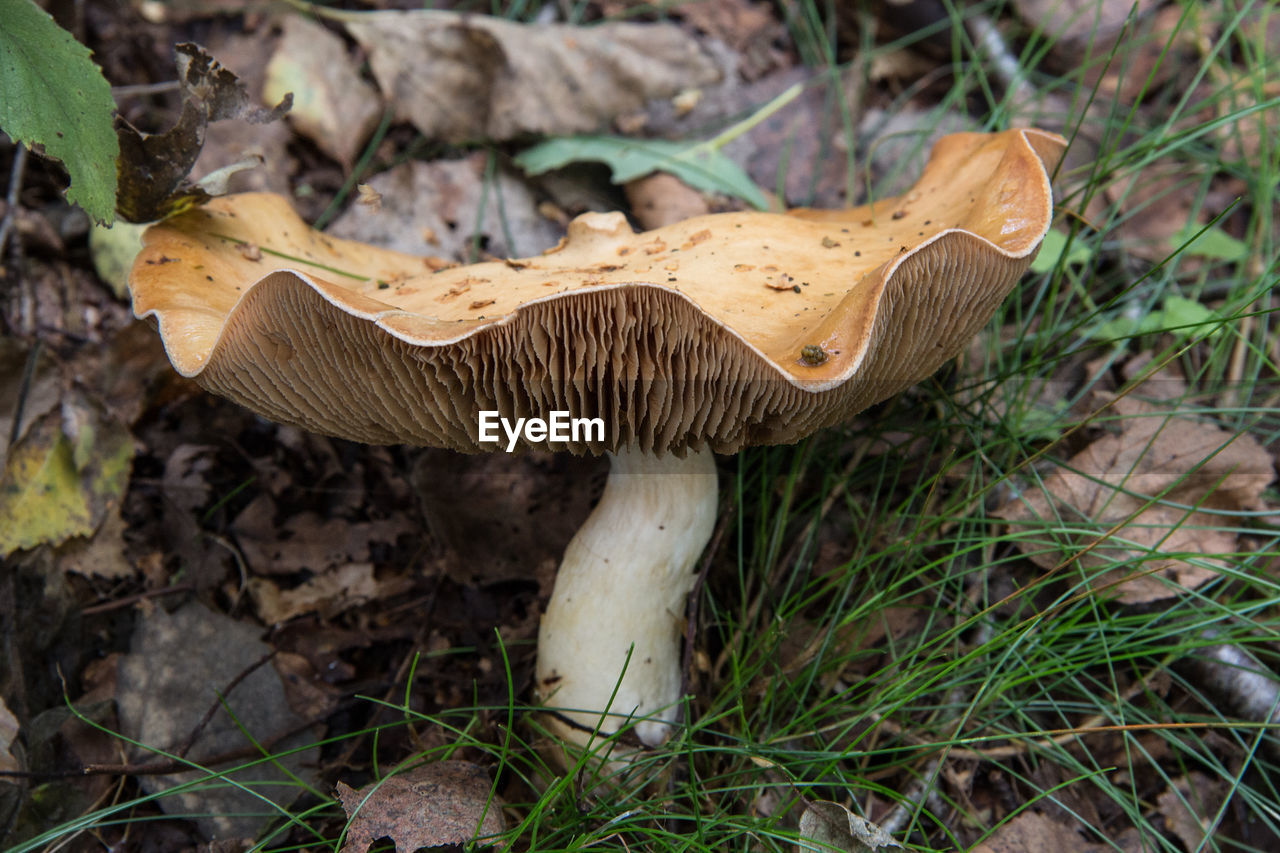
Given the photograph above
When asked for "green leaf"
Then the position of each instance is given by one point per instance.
(699, 164)
(1055, 243)
(1181, 317)
(1213, 243)
(51, 94)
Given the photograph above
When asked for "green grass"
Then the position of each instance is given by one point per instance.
(1008, 686)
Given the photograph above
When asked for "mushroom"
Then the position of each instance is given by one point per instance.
(658, 348)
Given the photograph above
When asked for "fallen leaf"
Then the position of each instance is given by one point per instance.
(63, 476)
(332, 105)
(1115, 482)
(464, 77)
(307, 542)
(327, 593)
(100, 555)
(1032, 832)
(33, 398)
(153, 168)
(8, 734)
(449, 802)
(662, 198)
(456, 205)
(1189, 806)
(834, 827)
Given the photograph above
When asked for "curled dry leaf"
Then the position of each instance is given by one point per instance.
(834, 827)
(1147, 482)
(897, 297)
(449, 802)
(153, 168)
(459, 77)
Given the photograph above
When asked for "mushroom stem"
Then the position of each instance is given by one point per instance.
(621, 592)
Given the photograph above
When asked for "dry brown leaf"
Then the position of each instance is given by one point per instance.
(442, 208)
(834, 827)
(1031, 832)
(327, 593)
(1113, 482)
(100, 555)
(9, 727)
(332, 105)
(449, 802)
(1189, 805)
(1157, 203)
(662, 199)
(307, 542)
(463, 77)
(1080, 22)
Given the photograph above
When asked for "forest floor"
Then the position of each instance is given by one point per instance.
(1030, 604)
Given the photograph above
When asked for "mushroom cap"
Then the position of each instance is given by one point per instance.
(718, 332)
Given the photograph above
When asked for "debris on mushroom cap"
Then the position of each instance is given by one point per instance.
(667, 334)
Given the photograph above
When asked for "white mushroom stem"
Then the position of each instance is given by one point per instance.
(619, 599)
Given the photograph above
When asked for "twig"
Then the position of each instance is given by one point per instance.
(186, 745)
(24, 390)
(11, 198)
(130, 600)
(144, 89)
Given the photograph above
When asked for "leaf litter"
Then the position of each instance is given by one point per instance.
(182, 509)
(1138, 509)
(463, 77)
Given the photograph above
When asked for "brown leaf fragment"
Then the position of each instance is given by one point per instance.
(834, 827)
(463, 77)
(448, 802)
(445, 207)
(153, 168)
(307, 542)
(1032, 832)
(328, 593)
(1189, 805)
(661, 199)
(1150, 482)
(333, 106)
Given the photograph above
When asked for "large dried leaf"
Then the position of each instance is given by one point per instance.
(719, 331)
(459, 77)
(1152, 483)
(449, 802)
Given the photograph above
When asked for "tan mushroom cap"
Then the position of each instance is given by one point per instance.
(720, 331)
